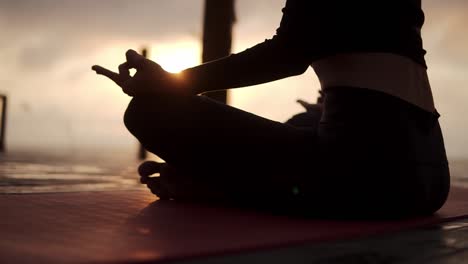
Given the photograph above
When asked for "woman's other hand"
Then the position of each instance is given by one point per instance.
(150, 77)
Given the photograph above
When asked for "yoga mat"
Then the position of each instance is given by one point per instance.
(128, 227)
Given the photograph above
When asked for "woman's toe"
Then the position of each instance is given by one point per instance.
(158, 188)
(148, 168)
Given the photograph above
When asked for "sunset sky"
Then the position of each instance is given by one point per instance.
(56, 102)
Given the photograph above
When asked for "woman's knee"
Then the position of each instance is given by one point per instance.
(144, 117)
(133, 116)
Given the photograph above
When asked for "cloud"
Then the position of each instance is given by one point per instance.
(446, 32)
(454, 44)
(46, 31)
(145, 18)
(37, 56)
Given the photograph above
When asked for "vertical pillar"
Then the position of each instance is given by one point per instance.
(3, 118)
(219, 19)
(142, 154)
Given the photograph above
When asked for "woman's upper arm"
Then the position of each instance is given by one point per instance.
(289, 52)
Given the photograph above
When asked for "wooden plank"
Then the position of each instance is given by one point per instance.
(128, 226)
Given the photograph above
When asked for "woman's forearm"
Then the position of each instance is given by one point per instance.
(266, 62)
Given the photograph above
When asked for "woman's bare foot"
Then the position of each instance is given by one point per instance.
(174, 184)
(150, 174)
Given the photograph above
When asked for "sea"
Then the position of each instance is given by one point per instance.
(46, 171)
(24, 172)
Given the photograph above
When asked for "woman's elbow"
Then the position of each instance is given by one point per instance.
(299, 69)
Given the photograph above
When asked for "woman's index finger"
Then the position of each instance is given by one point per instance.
(108, 73)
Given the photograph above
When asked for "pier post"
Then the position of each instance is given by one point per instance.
(142, 154)
(219, 19)
(3, 118)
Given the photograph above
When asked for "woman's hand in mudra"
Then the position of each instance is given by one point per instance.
(150, 77)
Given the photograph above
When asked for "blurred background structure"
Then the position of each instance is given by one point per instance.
(219, 17)
(3, 117)
(142, 153)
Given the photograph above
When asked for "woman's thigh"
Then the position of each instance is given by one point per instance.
(199, 134)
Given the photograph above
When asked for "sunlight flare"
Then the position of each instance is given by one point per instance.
(176, 57)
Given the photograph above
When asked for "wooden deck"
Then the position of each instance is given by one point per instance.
(129, 227)
(445, 243)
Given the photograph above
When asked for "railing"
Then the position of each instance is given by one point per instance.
(3, 115)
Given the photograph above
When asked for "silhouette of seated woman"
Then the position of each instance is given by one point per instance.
(373, 148)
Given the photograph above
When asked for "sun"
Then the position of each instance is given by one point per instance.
(176, 57)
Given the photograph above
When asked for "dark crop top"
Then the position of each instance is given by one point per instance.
(314, 29)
